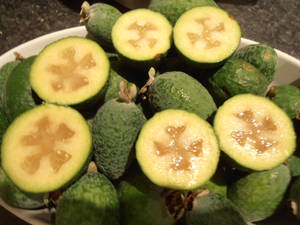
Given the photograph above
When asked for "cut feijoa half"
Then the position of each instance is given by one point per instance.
(45, 148)
(254, 132)
(206, 35)
(142, 35)
(177, 149)
(70, 71)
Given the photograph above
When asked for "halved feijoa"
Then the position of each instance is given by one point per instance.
(92, 200)
(142, 35)
(45, 148)
(177, 149)
(70, 71)
(206, 35)
(254, 132)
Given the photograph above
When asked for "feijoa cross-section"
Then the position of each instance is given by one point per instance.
(206, 35)
(254, 132)
(70, 71)
(45, 148)
(177, 149)
(142, 35)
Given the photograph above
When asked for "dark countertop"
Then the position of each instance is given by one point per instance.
(273, 22)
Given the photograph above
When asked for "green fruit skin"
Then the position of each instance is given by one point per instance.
(178, 90)
(217, 184)
(212, 209)
(294, 194)
(293, 163)
(113, 85)
(262, 56)
(287, 97)
(141, 203)
(115, 129)
(259, 194)
(102, 17)
(13, 196)
(3, 126)
(5, 71)
(17, 93)
(173, 9)
(236, 76)
(92, 200)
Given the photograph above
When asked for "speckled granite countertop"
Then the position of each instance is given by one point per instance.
(273, 22)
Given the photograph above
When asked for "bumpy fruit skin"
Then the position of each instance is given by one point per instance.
(212, 209)
(173, 9)
(17, 198)
(115, 129)
(17, 93)
(178, 90)
(101, 20)
(293, 163)
(287, 97)
(3, 126)
(262, 56)
(259, 194)
(141, 203)
(237, 76)
(92, 200)
(5, 71)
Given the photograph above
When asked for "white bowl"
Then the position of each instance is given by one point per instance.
(288, 72)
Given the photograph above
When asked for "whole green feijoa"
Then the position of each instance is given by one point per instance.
(294, 197)
(262, 56)
(237, 76)
(211, 208)
(13, 196)
(92, 200)
(17, 92)
(178, 90)
(286, 97)
(100, 19)
(5, 71)
(173, 9)
(142, 202)
(259, 194)
(113, 85)
(115, 129)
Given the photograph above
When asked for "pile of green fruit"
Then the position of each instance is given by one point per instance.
(156, 117)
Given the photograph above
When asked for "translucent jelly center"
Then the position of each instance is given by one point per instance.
(206, 33)
(71, 75)
(142, 31)
(255, 133)
(182, 154)
(44, 139)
